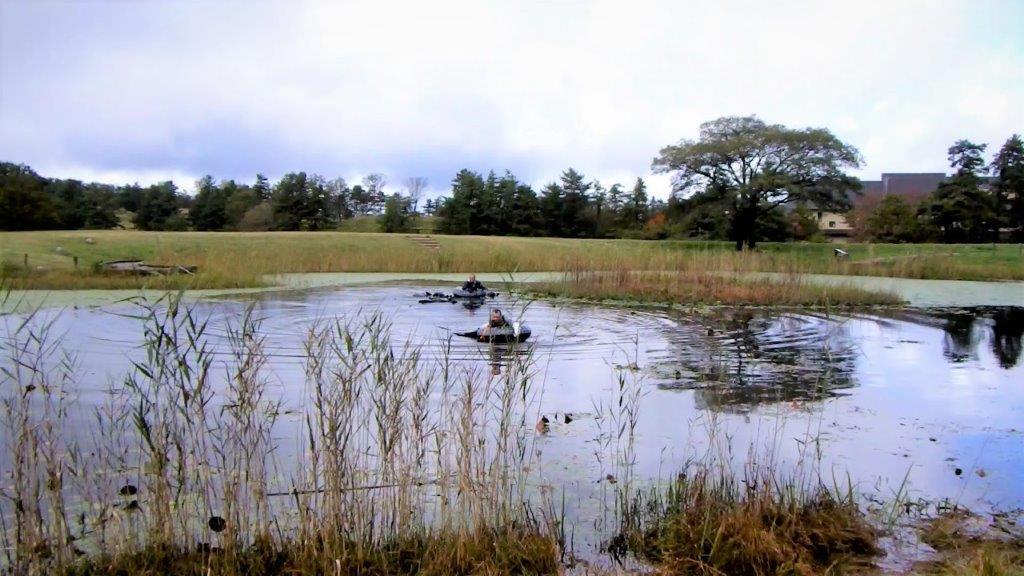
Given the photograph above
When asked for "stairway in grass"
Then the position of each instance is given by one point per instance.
(425, 241)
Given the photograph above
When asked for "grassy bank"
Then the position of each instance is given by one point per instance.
(703, 288)
(970, 545)
(709, 521)
(229, 260)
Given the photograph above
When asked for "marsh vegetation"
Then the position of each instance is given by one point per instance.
(307, 435)
(47, 260)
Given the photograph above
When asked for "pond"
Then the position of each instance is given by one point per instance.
(924, 403)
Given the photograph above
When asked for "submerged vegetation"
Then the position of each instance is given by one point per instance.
(47, 260)
(703, 288)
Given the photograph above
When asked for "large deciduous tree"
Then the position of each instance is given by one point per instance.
(24, 205)
(749, 168)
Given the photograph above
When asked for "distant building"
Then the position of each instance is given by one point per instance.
(911, 186)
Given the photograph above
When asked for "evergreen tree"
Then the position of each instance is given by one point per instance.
(959, 208)
(316, 213)
(634, 211)
(575, 204)
(262, 188)
(457, 213)
(130, 197)
(614, 204)
(208, 209)
(551, 210)
(599, 201)
(158, 208)
(1008, 170)
(289, 201)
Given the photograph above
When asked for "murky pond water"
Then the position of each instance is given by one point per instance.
(934, 396)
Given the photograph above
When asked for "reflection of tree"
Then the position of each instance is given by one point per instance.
(747, 360)
(1007, 330)
(961, 340)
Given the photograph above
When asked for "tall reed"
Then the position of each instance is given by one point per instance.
(406, 464)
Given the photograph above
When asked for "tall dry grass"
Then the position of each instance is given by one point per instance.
(760, 524)
(701, 287)
(761, 518)
(407, 465)
(230, 260)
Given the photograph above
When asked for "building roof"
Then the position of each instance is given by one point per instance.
(911, 183)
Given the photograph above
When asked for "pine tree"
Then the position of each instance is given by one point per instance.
(1008, 169)
(208, 210)
(959, 208)
(575, 203)
(552, 204)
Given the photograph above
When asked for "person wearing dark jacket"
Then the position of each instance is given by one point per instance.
(496, 320)
(472, 285)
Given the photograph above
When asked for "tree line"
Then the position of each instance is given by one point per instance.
(298, 201)
(572, 207)
(741, 180)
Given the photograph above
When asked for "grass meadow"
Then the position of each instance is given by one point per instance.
(239, 259)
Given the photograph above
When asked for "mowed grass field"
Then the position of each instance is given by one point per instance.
(241, 259)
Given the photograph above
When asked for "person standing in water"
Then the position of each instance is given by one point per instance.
(473, 285)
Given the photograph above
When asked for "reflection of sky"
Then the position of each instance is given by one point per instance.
(903, 404)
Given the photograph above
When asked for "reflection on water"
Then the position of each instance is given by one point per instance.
(737, 359)
(1007, 332)
(885, 392)
(962, 338)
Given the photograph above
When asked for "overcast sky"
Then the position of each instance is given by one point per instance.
(146, 91)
